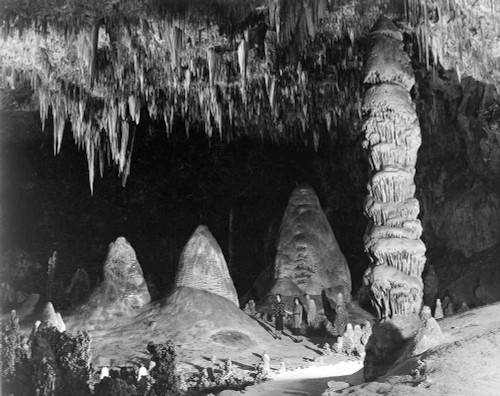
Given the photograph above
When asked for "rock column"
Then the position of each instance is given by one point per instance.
(392, 138)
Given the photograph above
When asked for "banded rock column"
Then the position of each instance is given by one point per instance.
(392, 137)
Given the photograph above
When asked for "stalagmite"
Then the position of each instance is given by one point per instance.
(202, 266)
(392, 137)
(438, 311)
(307, 252)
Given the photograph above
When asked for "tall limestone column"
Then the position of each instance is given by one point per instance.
(392, 137)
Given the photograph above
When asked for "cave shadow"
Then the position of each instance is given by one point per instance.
(196, 366)
(328, 307)
(352, 379)
(385, 346)
(138, 361)
(243, 366)
(266, 327)
(317, 351)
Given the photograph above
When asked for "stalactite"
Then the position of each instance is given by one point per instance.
(392, 137)
(242, 60)
(93, 56)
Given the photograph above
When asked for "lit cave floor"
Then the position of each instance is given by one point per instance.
(465, 361)
(311, 380)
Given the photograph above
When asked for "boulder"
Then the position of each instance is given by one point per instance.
(202, 266)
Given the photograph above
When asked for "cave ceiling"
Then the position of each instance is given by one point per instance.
(286, 71)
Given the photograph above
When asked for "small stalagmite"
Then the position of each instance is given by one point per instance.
(51, 318)
(307, 251)
(202, 266)
(438, 311)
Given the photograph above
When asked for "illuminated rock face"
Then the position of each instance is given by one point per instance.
(202, 266)
(308, 252)
(392, 137)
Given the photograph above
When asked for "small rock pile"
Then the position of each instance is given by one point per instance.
(352, 342)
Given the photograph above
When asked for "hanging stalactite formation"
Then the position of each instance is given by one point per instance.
(287, 71)
(392, 137)
(100, 66)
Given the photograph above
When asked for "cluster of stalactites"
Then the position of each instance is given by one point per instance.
(392, 137)
(100, 72)
(111, 116)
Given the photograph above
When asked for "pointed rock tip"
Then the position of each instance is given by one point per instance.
(304, 194)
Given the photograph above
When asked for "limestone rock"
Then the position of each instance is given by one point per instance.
(463, 307)
(388, 341)
(61, 326)
(392, 291)
(427, 336)
(122, 269)
(384, 26)
(121, 294)
(487, 290)
(202, 266)
(387, 62)
(384, 101)
(307, 251)
(198, 317)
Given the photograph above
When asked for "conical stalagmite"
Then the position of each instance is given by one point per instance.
(392, 137)
(51, 318)
(438, 311)
(123, 270)
(202, 266)
(308, 252)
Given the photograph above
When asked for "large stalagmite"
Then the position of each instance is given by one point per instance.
(202, 266)
(392, 136)
(308, 252)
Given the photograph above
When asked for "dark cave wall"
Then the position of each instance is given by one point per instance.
(459, 165)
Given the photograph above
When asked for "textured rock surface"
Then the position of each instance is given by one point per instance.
(392, 137)
(51, 318)
(389, 339)
(122, 293)
(202, 266)
(123, 270)
(307, 251)
(464, 363)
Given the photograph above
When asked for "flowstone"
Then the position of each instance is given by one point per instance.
(202, 266)
(307, 251)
